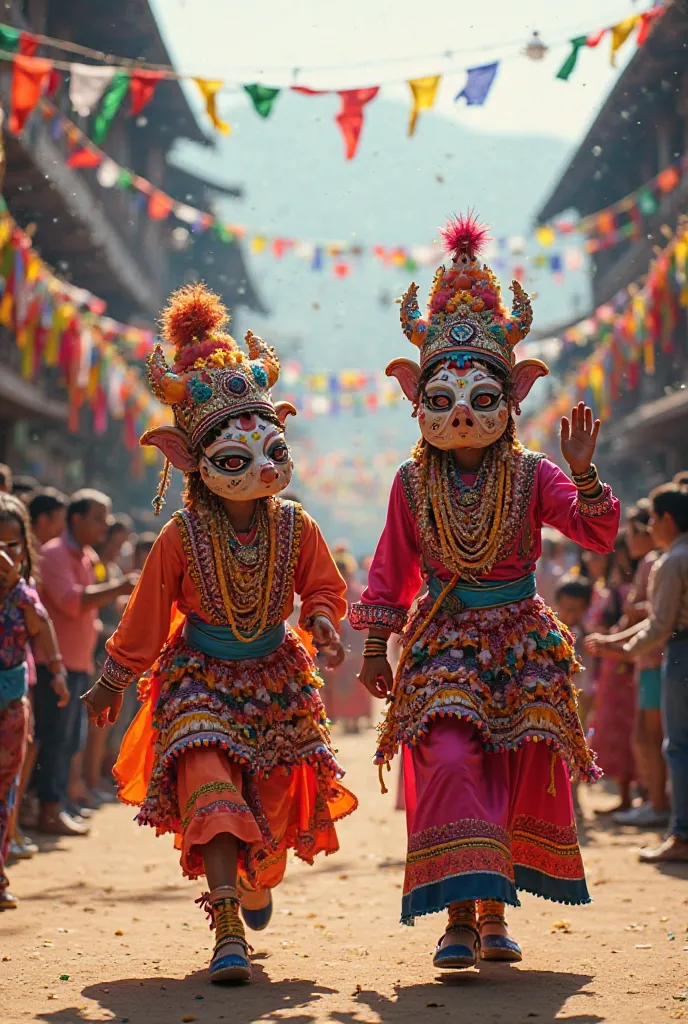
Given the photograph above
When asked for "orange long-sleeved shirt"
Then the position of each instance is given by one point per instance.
(165, 582)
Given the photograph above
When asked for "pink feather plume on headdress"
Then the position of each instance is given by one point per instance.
(464, 236)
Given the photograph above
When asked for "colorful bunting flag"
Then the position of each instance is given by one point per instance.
(87, 83)
(569, 64)
(29, 78)
(620, 34)
(478, 84)
(209, 90)
(350, 117)
(142, 88)
(647, 19)
(112, 101)
(423, 91)
(83, 158)
(159, 206)
(262, 97)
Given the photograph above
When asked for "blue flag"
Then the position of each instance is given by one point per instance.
(478, 84)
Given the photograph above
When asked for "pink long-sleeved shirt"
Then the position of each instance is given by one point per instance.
(396, 571)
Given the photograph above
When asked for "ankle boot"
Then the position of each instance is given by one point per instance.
(222, 906)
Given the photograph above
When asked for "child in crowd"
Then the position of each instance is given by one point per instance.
(22, 618)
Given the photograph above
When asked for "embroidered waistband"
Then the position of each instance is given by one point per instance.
(221, 642)
(484, 595)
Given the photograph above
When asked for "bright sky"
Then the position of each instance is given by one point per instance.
(371, 42)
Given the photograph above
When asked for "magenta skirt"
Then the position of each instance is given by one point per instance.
(483, 824)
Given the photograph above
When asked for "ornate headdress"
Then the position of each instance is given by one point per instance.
(466, 315)
(211, 377)
(210, 380)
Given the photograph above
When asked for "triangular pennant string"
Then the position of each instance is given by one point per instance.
(84, 158)
(478, 84)
(263, 98)
(423, 91)
(350, 117)
(112, 101)
(86, 85)
(209, 90)
(647, 20)
(142, 87)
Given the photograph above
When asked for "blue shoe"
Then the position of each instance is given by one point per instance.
(229, 969)
(500, 948)
(257, 920)
(457, 957)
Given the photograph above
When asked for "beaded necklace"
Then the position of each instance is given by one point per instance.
(468, 528)
(245, 572)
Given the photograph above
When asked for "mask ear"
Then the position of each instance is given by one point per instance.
(407, 373)
(284, 409)
(524, 375)
(174, 444)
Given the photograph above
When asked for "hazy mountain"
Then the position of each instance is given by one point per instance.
(397, 191)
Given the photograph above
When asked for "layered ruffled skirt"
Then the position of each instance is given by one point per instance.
(485, 711)
(235, 746)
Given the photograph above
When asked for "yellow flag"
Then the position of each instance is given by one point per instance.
(209, 89)
(546, 235)
(621, 32)
(6, 309)
(424, 91)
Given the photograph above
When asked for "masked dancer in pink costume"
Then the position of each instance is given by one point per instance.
(482, 704)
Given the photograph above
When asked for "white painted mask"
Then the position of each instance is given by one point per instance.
(250, 459)
(463, 408)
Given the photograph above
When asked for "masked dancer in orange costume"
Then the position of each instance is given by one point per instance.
(230, 751)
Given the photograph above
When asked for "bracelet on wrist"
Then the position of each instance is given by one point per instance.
(375, 647)
(589, 473)
(112, 687)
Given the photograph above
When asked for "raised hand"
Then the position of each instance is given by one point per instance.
(579, 437)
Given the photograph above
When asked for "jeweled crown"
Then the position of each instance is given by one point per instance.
(466, 315)
(211, 377)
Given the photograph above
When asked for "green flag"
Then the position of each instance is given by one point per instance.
(569, 64)
(112, 101)
(262, 97)
(9, 38)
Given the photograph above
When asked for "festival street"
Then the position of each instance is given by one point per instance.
(111, 916)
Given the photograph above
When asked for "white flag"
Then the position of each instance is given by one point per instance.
(87, 83)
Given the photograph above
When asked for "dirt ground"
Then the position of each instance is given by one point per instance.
(107, 930)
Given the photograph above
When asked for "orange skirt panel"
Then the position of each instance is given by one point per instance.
(214, 798)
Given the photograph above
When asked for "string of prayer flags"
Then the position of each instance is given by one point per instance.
(142, 86)
(423, 91)
(350, 117)
(29, 78)
(87, 83)
(263, 98)
(209, 90)
(478, 84)
(112, 101)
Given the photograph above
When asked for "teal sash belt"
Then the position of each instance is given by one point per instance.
(221, 642)
(14, 684)
(484, 595)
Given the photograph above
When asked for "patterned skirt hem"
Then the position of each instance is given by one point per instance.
(589, 772)
(438, 896)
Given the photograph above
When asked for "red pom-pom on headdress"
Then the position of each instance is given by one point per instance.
(464, 236)
(192, 313)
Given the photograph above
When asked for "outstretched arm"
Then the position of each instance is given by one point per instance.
(582, 508)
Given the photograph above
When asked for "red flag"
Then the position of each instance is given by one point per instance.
(159, 206)
(646, 21)
(29, 77)
(350, 117)
(595, 37)
(141, 88)
(27, 44)
(84, 158)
